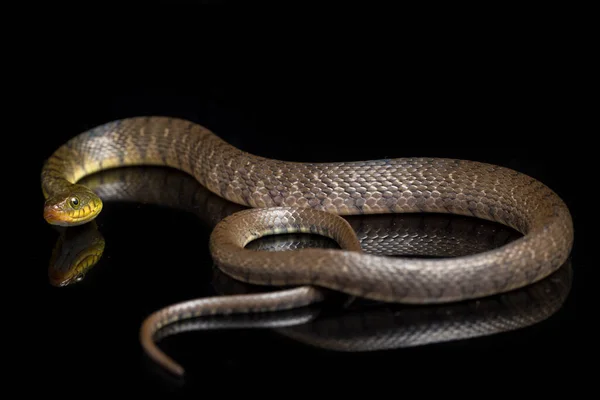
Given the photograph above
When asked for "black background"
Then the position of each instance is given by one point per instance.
(511, 103)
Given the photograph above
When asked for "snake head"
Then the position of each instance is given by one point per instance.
(76, 205)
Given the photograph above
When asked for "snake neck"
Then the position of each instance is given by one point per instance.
(139, 141)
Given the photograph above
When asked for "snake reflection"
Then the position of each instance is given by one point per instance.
(360, 326)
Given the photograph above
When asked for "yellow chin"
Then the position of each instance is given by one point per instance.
(54, 216)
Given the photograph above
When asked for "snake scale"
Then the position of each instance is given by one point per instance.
(293, 197)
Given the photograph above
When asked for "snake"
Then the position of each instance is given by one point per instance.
(307, 197)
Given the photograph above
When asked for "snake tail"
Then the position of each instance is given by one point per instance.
(244, 303)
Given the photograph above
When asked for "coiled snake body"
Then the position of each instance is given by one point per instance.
(312, 197)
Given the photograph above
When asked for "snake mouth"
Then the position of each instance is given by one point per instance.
(55, 216)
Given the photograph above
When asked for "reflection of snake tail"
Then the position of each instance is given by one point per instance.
(294, 317)
(379, 326)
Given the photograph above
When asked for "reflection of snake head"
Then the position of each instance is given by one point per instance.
(73, 206)
(76, 252)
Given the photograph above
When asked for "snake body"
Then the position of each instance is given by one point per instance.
(292, 197)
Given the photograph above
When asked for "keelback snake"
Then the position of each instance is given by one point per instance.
(313, 197)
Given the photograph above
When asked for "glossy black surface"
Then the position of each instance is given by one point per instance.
(84, 336)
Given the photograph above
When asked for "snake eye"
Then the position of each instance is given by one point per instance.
(74, 201)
